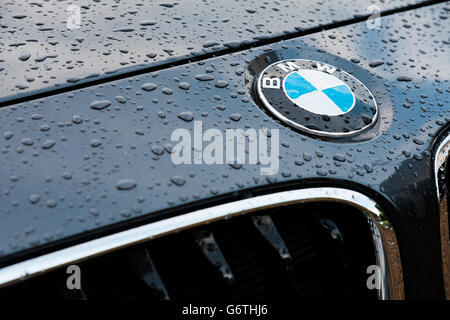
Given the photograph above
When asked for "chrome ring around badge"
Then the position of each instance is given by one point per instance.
(317, 98)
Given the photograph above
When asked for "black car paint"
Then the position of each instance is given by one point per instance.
(120, 38)
(392, 164)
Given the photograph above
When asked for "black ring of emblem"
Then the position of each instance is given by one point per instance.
(362, 116)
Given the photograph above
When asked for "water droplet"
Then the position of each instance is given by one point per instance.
(77, 119)
(48, 144)
(8, 135)
(34, 198)
(375, 63)
(67, 175)
(126, 184)
(307, 156)
(36, 116)
(204, 77)
(221, 84)
(167, 91)
(100, 104)
(404, 79)
(235, 116)
(186, 116)
(27, 141)
(178, 180)
(184, 85)
(24, 56)
(149, 86)
(147, 23)
(51, 203)
(158, 150)
(95, 143)
(339, 157)
(120, 99)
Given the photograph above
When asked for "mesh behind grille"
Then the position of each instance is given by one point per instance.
(307, 251)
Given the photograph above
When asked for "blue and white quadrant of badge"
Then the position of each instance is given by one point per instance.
(318, 92)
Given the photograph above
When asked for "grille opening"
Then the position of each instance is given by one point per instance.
(309, 251)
